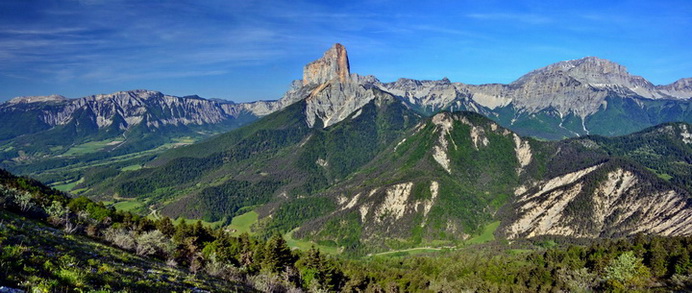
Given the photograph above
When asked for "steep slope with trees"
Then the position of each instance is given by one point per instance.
(53, 243)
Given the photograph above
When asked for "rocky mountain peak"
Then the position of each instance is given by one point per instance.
(581, 86)
(589, 70)
(330, 91)
(334, 64)
(37, 99)
(682, 88)
(683, 84)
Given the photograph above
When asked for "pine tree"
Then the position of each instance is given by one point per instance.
(315, 268)
(277, 255)
(683, 266)
(656, 258)
(165, 225)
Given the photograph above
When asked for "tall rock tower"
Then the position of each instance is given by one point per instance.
(334, 64)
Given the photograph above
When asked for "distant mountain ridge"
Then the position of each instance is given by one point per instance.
(565, 99)
(129, 108)
(40, 128)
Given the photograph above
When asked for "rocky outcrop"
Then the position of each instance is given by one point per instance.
(579, 86)
(333, 65)
(334, 101)
(330, 91)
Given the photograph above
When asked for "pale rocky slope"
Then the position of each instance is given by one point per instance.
(622, 203)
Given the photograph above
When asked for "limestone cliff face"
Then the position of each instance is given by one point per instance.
(333, 65)
(36, 99)
(334, 101)
(330, 91)
(579, 86)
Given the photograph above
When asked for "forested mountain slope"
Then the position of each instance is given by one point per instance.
(54, 243)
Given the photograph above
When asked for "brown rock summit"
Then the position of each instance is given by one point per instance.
(334, 64)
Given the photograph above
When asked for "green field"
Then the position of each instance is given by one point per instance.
(486, 236)
(89, 147)
(131, 167)
(128, 205)
(408, 252)
(305, 245)
(67, 186)
(137, 158)
(242, 224)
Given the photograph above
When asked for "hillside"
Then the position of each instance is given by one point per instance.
(458, 172)
(439, 180)
(278, 155)
(80, 246)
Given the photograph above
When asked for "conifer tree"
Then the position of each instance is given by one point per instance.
(277, 255)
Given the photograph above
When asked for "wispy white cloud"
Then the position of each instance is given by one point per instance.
(42, 31)
(527, 18)
(119, 76)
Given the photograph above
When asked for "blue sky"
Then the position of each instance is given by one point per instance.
(247, 50)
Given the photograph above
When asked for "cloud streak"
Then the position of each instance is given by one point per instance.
(527, 18)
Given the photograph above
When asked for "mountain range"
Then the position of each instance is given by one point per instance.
(566, 99)
(350, 162)
(353, 166)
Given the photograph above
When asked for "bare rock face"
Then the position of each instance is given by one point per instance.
(578, 86)
(330, 91)
(590, 70)
(435, 94)
(335, 101)
(581, 86)
(623, 203)
(333, 65)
